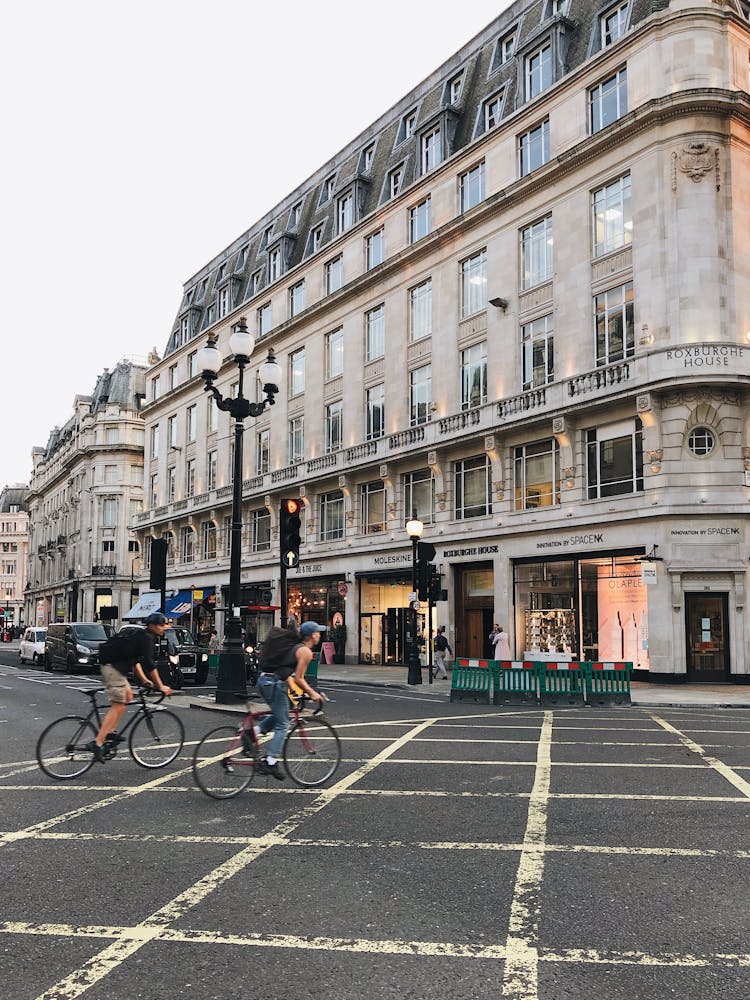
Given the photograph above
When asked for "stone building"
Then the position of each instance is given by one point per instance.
(14, 548)
(86, 490)
(518, 303)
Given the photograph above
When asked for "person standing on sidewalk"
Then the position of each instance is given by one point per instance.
(143, 661)
(283, 662)
(441, 646)
(502, 645)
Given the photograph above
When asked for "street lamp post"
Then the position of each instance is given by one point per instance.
(414, 529)
(231, 684)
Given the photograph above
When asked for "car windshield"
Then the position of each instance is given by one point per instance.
(181, 636)
(41, 635)
(91, 633)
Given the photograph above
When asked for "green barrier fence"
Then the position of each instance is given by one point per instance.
(562, 683)
(471, 680)
(506, 682)
(514, 682)
(608, 683)
(213, 662)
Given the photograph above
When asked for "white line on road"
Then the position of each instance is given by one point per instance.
(723, 769)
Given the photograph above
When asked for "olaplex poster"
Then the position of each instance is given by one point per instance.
(623, 617)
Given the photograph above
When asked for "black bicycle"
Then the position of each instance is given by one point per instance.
(156, 737)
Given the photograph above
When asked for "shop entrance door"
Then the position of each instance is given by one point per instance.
(707, 636)
(475, 639)
(395, 636)
(371, 638)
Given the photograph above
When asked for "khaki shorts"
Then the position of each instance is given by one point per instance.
(116, 683)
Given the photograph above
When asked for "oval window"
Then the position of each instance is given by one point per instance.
(701, 441)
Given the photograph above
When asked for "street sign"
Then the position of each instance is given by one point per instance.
(343, 589)
(425, 552)
(416, 605)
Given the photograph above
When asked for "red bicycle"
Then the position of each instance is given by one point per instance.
(227, 758)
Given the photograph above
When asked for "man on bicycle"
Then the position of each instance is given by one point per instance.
(115, 681)
(284, 663)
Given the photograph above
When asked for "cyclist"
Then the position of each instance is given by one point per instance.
(284, 662)
(119, 690)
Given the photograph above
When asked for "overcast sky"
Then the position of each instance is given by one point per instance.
(142, 138)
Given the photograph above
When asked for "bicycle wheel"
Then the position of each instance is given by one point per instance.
(61, 749)
(156, 738)
(312, 752)
(221, 767)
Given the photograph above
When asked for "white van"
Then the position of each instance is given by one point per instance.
(32, 645)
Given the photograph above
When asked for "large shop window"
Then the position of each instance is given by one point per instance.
(591, 609)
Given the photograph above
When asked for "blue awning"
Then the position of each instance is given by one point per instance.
(181, 602)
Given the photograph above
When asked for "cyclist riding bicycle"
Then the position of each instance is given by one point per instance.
(284, 659)
(142, 659)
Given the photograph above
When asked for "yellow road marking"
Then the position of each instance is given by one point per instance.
(520, 980)
(723, 769)
(99, 966)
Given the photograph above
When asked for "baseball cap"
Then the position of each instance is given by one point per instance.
(306, 629)
(157, 618)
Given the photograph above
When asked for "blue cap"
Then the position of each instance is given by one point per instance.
(307, 629)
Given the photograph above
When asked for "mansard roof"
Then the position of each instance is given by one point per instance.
(13, 496)
(124, 386)
(573, 29)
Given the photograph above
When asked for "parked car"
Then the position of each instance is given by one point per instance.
(193, 659)
(31, 647)
(72, 646)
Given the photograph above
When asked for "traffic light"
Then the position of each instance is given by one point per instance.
(424, 574)
(158, 576)
(290, 539)
(434, 589)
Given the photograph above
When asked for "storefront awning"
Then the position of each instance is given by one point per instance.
(146, 605)
(182, 601)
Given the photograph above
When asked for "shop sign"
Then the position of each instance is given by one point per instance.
(706, 355)
(648, 573)
(393, 560)
(592, 538)
(310, 568)
(343, 589)
(708, 533)
(481, 550)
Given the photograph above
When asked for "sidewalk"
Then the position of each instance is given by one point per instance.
(644, 695)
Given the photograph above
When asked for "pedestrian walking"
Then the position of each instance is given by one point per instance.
(441, 646)
(501, 644)
(213, 642)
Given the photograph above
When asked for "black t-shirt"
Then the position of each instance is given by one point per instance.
(144, 652)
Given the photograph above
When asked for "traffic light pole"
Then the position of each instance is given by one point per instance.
(284, 601)
(414, 675)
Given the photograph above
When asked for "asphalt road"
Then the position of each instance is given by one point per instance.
(460, 851)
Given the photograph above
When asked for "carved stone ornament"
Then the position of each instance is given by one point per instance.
(643, 403)
(350, 517)
(696, 160)
(392, 509)
(342, 482)
(432, 458)
(440, 497)
(746, 457)
(499, 491)
(569, 475)
(489, 443)
(558, 425)
(383, 471)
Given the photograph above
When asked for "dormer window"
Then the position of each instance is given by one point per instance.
(221, 272)
(274, 264)
(556, 7)
(431, 150)
(295, 215)
(492, 111)
(184, 329)
(329, 186)
(266, 237)
(345, 212)
(455, 85)
(538, 71)
(613, 23)
(256, 280)
(202, 290)
(315, 240)
(242, 258)
(408, 124)
(223, 301)
(395, 181)
(506, 47)
(368, 155)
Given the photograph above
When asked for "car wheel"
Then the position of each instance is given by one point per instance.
(200, 678)
(35, 660)
(20, 657)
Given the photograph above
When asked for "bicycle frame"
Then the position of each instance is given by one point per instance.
(94, 716)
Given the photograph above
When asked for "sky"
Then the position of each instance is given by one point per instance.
(142, 138)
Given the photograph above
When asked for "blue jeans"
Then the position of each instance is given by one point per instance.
(274, 693)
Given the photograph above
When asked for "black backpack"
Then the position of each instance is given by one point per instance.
(122, 648)
(279, 649)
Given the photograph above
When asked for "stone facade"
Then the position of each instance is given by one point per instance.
(14, 549)
(85, 491)
(557, 326)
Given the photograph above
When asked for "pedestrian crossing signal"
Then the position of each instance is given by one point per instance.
(290, 532)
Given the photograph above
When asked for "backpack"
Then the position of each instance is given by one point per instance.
(279, 649)
(124, 647)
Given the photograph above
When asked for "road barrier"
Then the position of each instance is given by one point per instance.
(531, 682)
(471, 680)
(608, 683)
(562, 683)
(514, 682)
